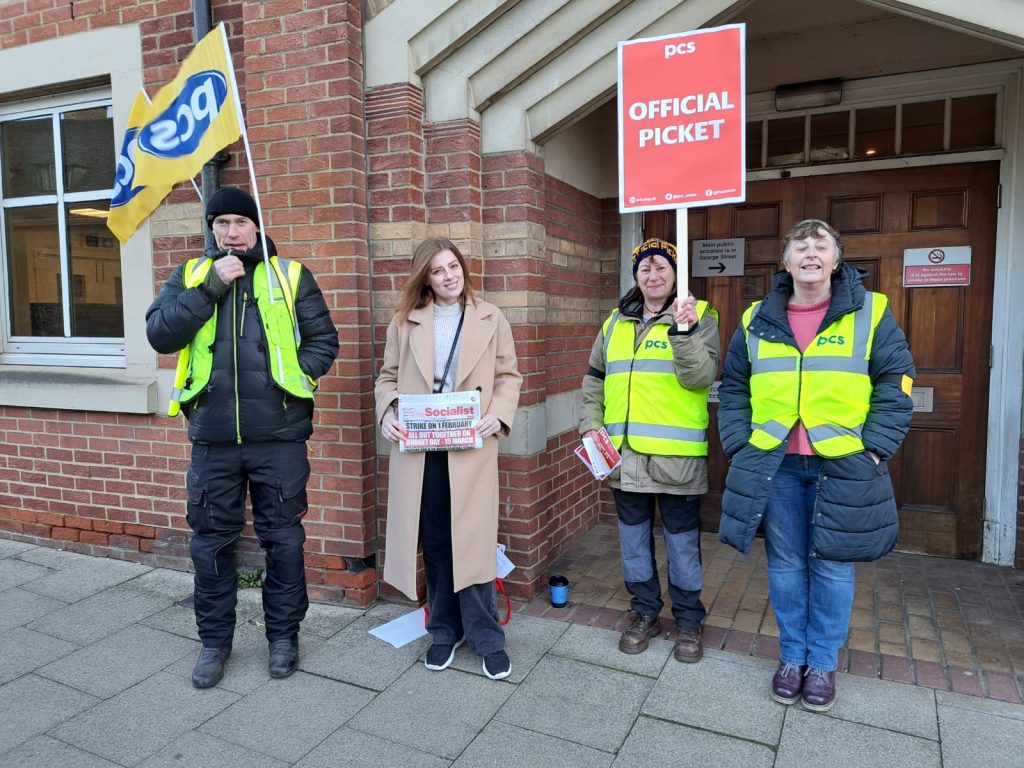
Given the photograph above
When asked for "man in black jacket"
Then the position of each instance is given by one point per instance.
(254, 334)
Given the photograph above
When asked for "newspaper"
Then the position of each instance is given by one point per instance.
(598, 454)
(442, 422)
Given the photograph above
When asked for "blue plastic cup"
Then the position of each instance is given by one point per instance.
(559, 586)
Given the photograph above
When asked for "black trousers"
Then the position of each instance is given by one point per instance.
(471, 612)
(274, 474)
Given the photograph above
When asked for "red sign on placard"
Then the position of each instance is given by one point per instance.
(682, 119)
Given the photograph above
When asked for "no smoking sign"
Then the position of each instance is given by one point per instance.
(937, 267)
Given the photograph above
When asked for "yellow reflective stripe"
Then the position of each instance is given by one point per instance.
(663, 432)
(774, 428)
(652, 366)
(830, 364)
(830, 431)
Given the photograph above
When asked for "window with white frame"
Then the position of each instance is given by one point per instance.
(60, 267)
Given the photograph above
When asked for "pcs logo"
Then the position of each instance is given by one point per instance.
(655, 344)
(125, 174)
(178, 130)
(839, 341)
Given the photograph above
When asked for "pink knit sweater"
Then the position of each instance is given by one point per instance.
(805, 320)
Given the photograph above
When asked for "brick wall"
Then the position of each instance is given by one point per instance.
(113, 485)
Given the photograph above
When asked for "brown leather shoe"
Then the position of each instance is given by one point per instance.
(819, 692)
(688, 644)
(636, 637)
(787, 683)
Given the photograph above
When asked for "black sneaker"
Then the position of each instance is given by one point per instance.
(497, 665)
(440, 655)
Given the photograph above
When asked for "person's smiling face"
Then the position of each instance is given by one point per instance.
(656, 280)
(445, 277)
(811, 261)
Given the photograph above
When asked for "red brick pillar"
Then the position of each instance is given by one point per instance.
(553, 252)
(303, 85)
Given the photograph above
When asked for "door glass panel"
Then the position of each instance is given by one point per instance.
(27, 149)
(973, 122)
(830, 136)
(875, 132)
(95, 272)
(87, 141)
(33, 259)
(754, 144)
(922, 126)
(786, 141)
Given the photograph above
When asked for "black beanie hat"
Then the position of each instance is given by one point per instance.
(654, 247)
(227, 200)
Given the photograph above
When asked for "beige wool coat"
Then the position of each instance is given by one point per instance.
(487, 361)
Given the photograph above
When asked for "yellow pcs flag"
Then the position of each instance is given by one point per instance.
(192, 117)
(131, 202)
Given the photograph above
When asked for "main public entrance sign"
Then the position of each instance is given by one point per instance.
(682, 120)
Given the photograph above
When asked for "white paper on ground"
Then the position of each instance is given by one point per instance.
(403, 630)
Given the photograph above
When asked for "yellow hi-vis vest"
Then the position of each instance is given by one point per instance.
(827, 387)
(643, 399)
(279, 326)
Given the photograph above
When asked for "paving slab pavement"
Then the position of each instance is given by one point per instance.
(96, 656)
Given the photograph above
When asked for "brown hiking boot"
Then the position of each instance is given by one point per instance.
(688, 644)
(641, 629)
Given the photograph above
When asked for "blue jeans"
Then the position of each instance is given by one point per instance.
(812, 598)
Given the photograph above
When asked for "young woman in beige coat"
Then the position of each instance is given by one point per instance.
(443, 339)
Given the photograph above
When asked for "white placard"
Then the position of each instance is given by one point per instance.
(718, 258)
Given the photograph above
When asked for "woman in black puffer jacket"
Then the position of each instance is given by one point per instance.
(815, 398)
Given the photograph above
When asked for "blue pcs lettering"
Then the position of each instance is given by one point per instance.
(177, 131)
(125, 174)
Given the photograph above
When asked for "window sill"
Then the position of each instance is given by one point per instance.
(76, 389)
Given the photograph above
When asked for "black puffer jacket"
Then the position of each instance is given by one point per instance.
(855, 511)
(264, 411)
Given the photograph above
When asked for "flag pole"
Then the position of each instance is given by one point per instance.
(248, 154)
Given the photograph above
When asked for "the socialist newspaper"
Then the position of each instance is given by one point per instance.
(599, 454)
(442, 422)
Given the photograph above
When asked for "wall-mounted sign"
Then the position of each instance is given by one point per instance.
(935, 267)
(717, 258)
(923, 398)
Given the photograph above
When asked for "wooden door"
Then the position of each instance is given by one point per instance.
(939, 474)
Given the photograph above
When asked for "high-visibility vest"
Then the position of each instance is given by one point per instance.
(279, 326)
(643, 400)
(827, 387)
